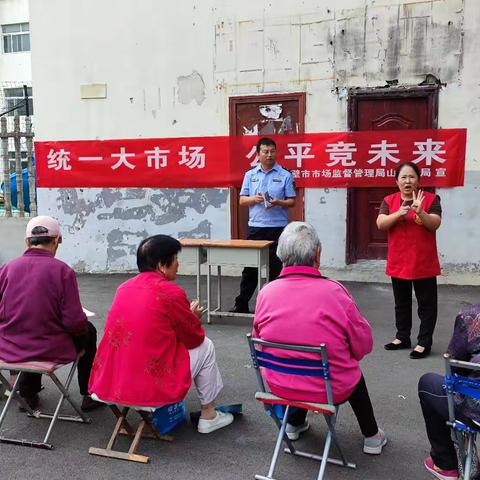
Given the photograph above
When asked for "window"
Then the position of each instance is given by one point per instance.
(16, 37)
(15, 97)
(23, 156)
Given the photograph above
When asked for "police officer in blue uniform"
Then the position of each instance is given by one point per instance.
(269, 191)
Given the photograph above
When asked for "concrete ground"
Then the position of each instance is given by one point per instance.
(244, 448)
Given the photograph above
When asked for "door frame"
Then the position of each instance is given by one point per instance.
(232, 106)
(430, 92)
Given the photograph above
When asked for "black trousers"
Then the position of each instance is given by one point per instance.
(361, 405)
(249, 280)
(426, 293)
(31, 383)
(433, 401)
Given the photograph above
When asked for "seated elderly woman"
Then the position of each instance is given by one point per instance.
(303, 307)
(464, 345)
(154, 343)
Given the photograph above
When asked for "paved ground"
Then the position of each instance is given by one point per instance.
(240, 451)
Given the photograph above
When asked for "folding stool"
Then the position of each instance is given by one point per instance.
(295, 365)
(123, 427)
(43, 368)
(463, 436)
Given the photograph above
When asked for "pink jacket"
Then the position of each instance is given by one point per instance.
(143, 356)
(304, 308)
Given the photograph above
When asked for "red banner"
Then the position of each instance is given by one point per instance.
(347, 159)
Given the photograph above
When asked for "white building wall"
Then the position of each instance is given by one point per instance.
(14, 67)
(170, 68)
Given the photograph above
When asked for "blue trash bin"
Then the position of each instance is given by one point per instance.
(26, 190)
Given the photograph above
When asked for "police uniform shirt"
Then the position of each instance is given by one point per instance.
(278, 183)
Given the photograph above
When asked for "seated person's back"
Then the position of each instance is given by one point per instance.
(154, 344)
(140, 358)
(41, 317)
(310, 310)
(40, 309)
(302, 307)
(464, 345)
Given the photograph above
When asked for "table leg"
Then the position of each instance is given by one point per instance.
(259, 277)
(267, 269)
(198, 275)
(219, 291)
(209, 292)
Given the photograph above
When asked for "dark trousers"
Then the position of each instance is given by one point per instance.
(433, 401)
(249, 280)
(426, 293)
(361, 405)
(31, 383)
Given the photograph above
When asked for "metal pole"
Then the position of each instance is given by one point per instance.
(25, 97)
(30, 167)
(219, 287)
(253, 357)
(18, 166)
(209, 292)
(326, 367)
(6, 167)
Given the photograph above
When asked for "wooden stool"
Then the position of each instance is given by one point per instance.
(123, 427)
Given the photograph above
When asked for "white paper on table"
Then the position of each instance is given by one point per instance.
(88, 313)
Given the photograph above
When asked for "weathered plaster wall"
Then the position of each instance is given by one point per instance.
(171, 72)
(326, 51)
(12, 238)
(103, 227)
(153, 90)
(458, 239)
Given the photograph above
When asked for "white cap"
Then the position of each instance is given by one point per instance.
(47, 227)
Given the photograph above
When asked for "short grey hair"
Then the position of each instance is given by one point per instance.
(297, 245)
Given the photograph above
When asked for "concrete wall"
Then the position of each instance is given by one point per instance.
(103, 227)
(12, 235)
(170, 72)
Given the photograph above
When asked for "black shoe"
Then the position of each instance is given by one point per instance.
(416, 355)
(397, 346)
(89, 404)
(32, 402)
(240, 309)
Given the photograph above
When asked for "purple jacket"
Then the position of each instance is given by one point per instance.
(465, 345)
(40, 309)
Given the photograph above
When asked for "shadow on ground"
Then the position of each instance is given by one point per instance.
(243, 449)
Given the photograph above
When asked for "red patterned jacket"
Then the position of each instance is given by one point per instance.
(143, 357)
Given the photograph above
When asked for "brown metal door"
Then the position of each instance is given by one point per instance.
(414, 108)
(265, 115)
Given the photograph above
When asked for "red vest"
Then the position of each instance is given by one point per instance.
(412, 249)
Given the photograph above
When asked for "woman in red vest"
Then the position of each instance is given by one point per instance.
(411, 217)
